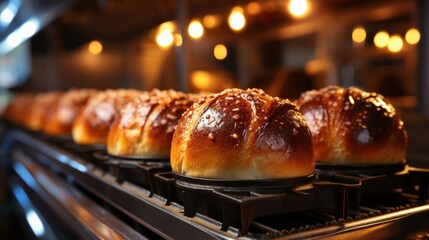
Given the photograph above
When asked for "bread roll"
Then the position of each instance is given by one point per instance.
(61, 115)
(242, 134)
(91, 126)
(145, 126)
(38, 110)
(353, 127)
(17, 110)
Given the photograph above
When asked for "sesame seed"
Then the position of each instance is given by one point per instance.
(234, 135)
(171, 116)
(296, 124)
(210, 136)
(163, 121)
(229, 98)
(169, 129)
(207, 116)
(236, 116)
(235, 109)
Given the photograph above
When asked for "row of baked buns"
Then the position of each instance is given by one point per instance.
(52, 113)
(234, 134)
(246, 134)
(127, 122)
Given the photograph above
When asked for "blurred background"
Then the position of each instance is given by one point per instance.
(282, 46)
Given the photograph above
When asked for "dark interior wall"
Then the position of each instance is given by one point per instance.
(115, 67)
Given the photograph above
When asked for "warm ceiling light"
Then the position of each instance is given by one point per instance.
(412, 36)
(298, 8)
(236, 19)
(164, 39)
(220, 52)
(211, 21)
(201, 80)
(359, 34)
(95, 47)
(253, 8)
(178, 40)
(167, 26)
(381, 39)
(395, 43)
(195, 29)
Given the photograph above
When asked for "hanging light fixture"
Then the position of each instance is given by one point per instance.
(298, 8)
(395, 43)
(195, 29)
(236, 19)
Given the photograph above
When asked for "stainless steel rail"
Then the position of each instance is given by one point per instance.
(88, 220)
(167, 221)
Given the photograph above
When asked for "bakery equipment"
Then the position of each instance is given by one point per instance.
(382, 205)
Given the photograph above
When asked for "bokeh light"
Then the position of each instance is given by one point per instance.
(220, 52)
(236, 19)
(211, 21)
(381, 39)
(195, 29)
(298, 8)
(412, 36)
(395, 43)
(164, 39)
(359, 34)
(95, 47)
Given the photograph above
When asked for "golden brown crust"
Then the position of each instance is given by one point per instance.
(145, 126)
(353, 127)
(242, 134)
(92, 124)
(37, 112)
(62, 114)
(17, 110)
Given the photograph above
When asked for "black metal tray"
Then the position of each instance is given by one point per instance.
(140, 171)
(238, 203)
(361, 169)
(344, 199)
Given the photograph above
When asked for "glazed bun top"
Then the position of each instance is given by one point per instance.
(62, 114)
(91, 126)
(243, 135)
(145, 126)
(353, 127)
